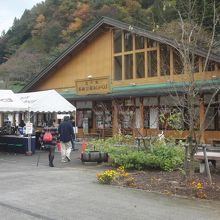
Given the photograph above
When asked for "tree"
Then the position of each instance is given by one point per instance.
(16, 69)
(192, 25)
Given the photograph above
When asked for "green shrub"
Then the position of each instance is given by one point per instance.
(169, 157)
(164, 155)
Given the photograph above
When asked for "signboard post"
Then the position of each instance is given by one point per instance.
(29, 128)
(29, 131)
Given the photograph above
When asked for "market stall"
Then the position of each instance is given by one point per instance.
(45, 105)
(11, 105)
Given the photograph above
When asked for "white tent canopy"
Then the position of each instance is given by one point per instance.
(9, 102)
(46, 101)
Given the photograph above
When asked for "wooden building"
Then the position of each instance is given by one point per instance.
(120, 77)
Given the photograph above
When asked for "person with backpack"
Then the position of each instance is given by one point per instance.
(66, 132)
(48, 139)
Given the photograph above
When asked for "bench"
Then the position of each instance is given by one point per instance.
(211, 156)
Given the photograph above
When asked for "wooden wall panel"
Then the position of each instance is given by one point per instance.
(95, 59)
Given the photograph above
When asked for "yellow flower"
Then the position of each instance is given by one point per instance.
(199, 186)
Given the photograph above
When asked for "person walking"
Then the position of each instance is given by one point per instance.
(65, 131)
(48, 139)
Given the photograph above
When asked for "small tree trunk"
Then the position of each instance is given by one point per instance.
(190, 152)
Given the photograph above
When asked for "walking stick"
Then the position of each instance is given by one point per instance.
(38, 158)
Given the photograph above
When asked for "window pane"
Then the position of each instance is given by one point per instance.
(88, 114)
(129, 66)
(117, 41)
(153, 118)
(210, 66)
(140, 65)
(152, 63)
(177, 63)
(80, 115)
(99, 119)
(210, 119)
(196, 64)
(126, 119)
(146, 117)
(79, 118)
(139, 42)
(164, 60)
(151, 43)
(118, 68)
(128, 41)
(103, 115)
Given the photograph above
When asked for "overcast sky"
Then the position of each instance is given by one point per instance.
(9, 9)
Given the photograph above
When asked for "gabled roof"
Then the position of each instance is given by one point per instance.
(93, 32)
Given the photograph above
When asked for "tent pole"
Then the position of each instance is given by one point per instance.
(29, 152)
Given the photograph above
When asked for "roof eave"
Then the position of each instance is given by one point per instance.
(91, 31)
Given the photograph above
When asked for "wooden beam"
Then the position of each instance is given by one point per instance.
(114, 118)
(134, 57)
(145, 58)
(122, 55)
(141, 116)
(171, 64)
(158, 59)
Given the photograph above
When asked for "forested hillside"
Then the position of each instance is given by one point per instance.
(43, 32)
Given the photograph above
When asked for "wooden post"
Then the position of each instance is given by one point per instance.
(94, 117)
(134, 57)
(145, 58)
(115, 118)
(158, 60)
(142, 116)
(134, 117)
(171, 64)
(201, 119)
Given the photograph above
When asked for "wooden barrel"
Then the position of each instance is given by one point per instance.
(94, 156)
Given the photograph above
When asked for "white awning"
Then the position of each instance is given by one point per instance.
(46, 101)
(9, 102)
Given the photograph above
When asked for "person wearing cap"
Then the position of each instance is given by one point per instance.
(65, 131)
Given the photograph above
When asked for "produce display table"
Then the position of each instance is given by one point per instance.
(16, 144)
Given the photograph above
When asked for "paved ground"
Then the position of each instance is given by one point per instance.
(70, 191)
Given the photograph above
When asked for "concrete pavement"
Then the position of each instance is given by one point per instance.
(70, 191)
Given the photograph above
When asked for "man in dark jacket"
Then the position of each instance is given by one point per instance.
(66, 131)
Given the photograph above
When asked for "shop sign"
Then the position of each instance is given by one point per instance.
(93, 86)
(29, 128)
